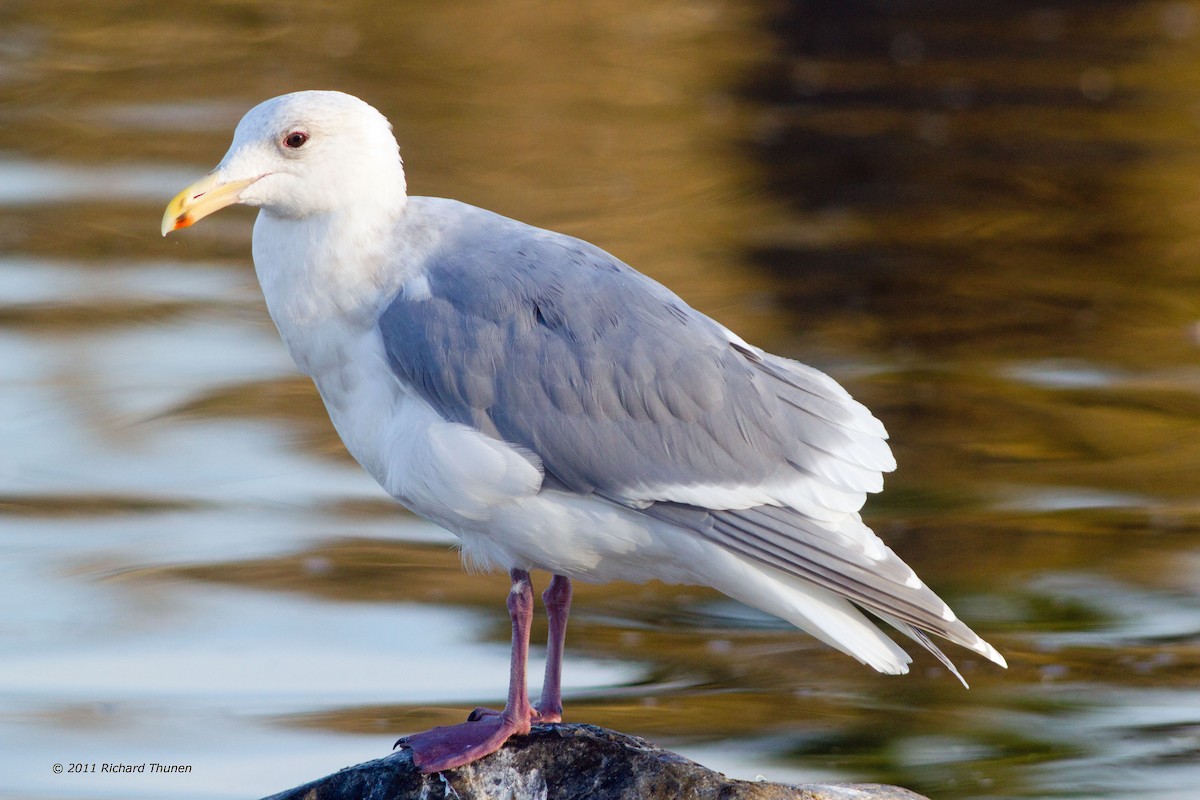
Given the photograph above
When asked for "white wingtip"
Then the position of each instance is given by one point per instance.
(990, 653)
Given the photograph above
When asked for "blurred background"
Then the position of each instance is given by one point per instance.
(982, 218)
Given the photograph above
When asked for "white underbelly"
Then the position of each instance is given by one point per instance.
(587, 538)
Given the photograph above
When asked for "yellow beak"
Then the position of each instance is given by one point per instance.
(201, 199)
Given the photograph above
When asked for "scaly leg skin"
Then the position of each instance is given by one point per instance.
(557, 599)
(455, 745)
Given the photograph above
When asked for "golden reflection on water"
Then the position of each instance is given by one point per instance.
(982, 220)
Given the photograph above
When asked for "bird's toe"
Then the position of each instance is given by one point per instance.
(481, 713)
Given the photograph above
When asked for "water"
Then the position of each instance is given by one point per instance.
(984, 221)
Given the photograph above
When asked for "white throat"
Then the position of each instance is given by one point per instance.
(324, 276)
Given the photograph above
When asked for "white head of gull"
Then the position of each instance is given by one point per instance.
(557, 409)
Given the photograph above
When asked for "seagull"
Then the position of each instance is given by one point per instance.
(556, 409)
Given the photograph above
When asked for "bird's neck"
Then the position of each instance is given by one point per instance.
(325, 276)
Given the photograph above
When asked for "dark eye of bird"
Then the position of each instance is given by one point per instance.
(295, 139)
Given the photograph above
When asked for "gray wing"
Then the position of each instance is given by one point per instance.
(623, 390)
(619, 387)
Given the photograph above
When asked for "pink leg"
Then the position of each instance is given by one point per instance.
(557, 599)
(455, 745)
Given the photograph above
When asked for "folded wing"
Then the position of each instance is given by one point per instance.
(625, 392)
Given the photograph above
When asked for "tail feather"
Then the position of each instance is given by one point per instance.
(818, 576)
(817, 611)
(918, 636)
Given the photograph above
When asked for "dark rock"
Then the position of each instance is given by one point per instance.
(561, 762)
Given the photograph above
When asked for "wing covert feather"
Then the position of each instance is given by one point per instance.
(622, 389)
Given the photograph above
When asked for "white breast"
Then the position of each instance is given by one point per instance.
(444, 471)
(326, 283)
